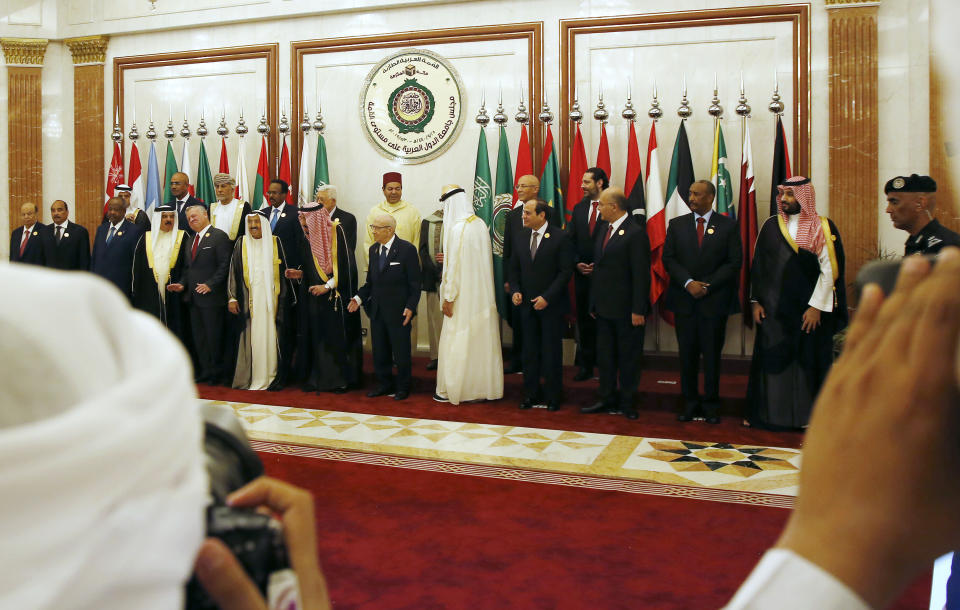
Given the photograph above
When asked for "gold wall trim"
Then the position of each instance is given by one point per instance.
(88, 49)
(832, 4)
(24, 51)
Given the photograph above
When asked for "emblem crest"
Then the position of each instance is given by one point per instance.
(899, 183)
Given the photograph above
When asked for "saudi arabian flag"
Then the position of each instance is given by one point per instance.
(205, 191)
(551, 189)
(169, 169)
(321, 172)
(482, 191)
(720, 176)
(502, 204)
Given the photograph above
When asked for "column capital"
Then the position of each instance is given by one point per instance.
(88, 49)
(23, 51)
(835, 4)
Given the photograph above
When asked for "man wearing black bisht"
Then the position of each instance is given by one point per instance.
(158, 263)
(329, 334)
(910, 203)
(799, 303)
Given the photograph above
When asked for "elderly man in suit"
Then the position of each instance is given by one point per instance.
(70, 245)
(28, 242)
(390, 296)
(205, 290)
(619, 299)
(702, 255)
(540, 271)
(114, 245)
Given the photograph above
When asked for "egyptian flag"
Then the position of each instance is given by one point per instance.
(781, 164)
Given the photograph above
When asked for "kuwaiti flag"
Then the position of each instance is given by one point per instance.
(681, 176)
(720, 175)
(578, 167)
(524, 161)
(136, 179)
(305, 188)
(115, 175)
(263, 179)
(284, 172)
(656, 220)
(748, 223)
(185, 166)
(152, 195)
(633, 181)
(603, 152)
(242, 191)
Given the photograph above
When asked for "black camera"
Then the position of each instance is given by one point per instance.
(254, 538)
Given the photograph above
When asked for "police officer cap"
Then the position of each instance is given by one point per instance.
(910, 184)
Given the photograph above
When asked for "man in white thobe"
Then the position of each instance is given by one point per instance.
(470, 364)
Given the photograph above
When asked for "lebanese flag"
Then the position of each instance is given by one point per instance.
(284, 173)
(578, 167)
(524, 162)
(263, 177)
(185, 165)
(603, 153)
(747, 219)
(656, 222)
(115, 176)
(224, 161)
(136, 179)
(633, 181)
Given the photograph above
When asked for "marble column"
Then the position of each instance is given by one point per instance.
(854, 130)
(24, 57)
(89, 54)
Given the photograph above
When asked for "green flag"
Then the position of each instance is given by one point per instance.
(204, 189)
(482, 191)
(550, 189)
(502, 204)
(720, 175)
(169, 169)
(321, 173)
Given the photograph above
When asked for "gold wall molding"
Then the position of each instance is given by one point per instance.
(23, 51)
(831, 4)
(88, 49)
(854, 132)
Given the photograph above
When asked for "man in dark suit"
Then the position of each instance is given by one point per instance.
(285, 226)
(390, 296)
(619, 298)
(702, 256)
(70, 242)
(205, 289)
(179, 188)
(28, 242)
(540, 271)
(584, 225)
(527, 189)
(113, 247)
(137, 216)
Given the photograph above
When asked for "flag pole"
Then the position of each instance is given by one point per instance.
(743, 111)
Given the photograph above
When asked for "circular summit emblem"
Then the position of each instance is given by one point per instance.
(410, 106)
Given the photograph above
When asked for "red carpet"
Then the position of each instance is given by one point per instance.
(658, 403)
(395, 538)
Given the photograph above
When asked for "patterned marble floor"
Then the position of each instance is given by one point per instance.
(767, 475)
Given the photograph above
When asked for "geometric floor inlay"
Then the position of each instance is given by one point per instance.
(725, 468)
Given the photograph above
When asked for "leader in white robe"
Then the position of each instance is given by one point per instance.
(470, 364)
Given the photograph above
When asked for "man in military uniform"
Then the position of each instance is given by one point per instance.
(910, 204)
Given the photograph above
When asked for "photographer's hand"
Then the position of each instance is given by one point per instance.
(221, 574)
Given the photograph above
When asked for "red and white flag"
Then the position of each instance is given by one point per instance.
(115, 176)
(603, 153)
(578, 167)
(224, 161)
(284, 172)
(524, 161)
(747, 219)
(185, 165)
(136, 179)
(656, 220)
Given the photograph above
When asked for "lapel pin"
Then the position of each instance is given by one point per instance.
(546, 236)
(66, 235)
(119, 233)
(620, 232)
(710, 231)
(35, 233)
(283, 214)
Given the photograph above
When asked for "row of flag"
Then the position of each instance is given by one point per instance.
(643, 191)
(150, 192)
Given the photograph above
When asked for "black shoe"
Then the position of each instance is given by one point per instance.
(401, 395)
(615, 411)
(630, 413)
(598, 407)
(583, 374)
(340, 390)
(432, 365)
(526, 403)
(553, 406)
(713, 419)
(512, 369)
(381, 391)
(275, 387)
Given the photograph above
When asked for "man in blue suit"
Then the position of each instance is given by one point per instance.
(390, 296)
(114, 245)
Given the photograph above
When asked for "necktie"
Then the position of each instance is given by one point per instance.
(59, 228)
(593, 218)
(700, 222)
(273, 220)
(110, 235)
(383, 257)
(193, 251)
(23, 242)
(533, 245)
(607, 238)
